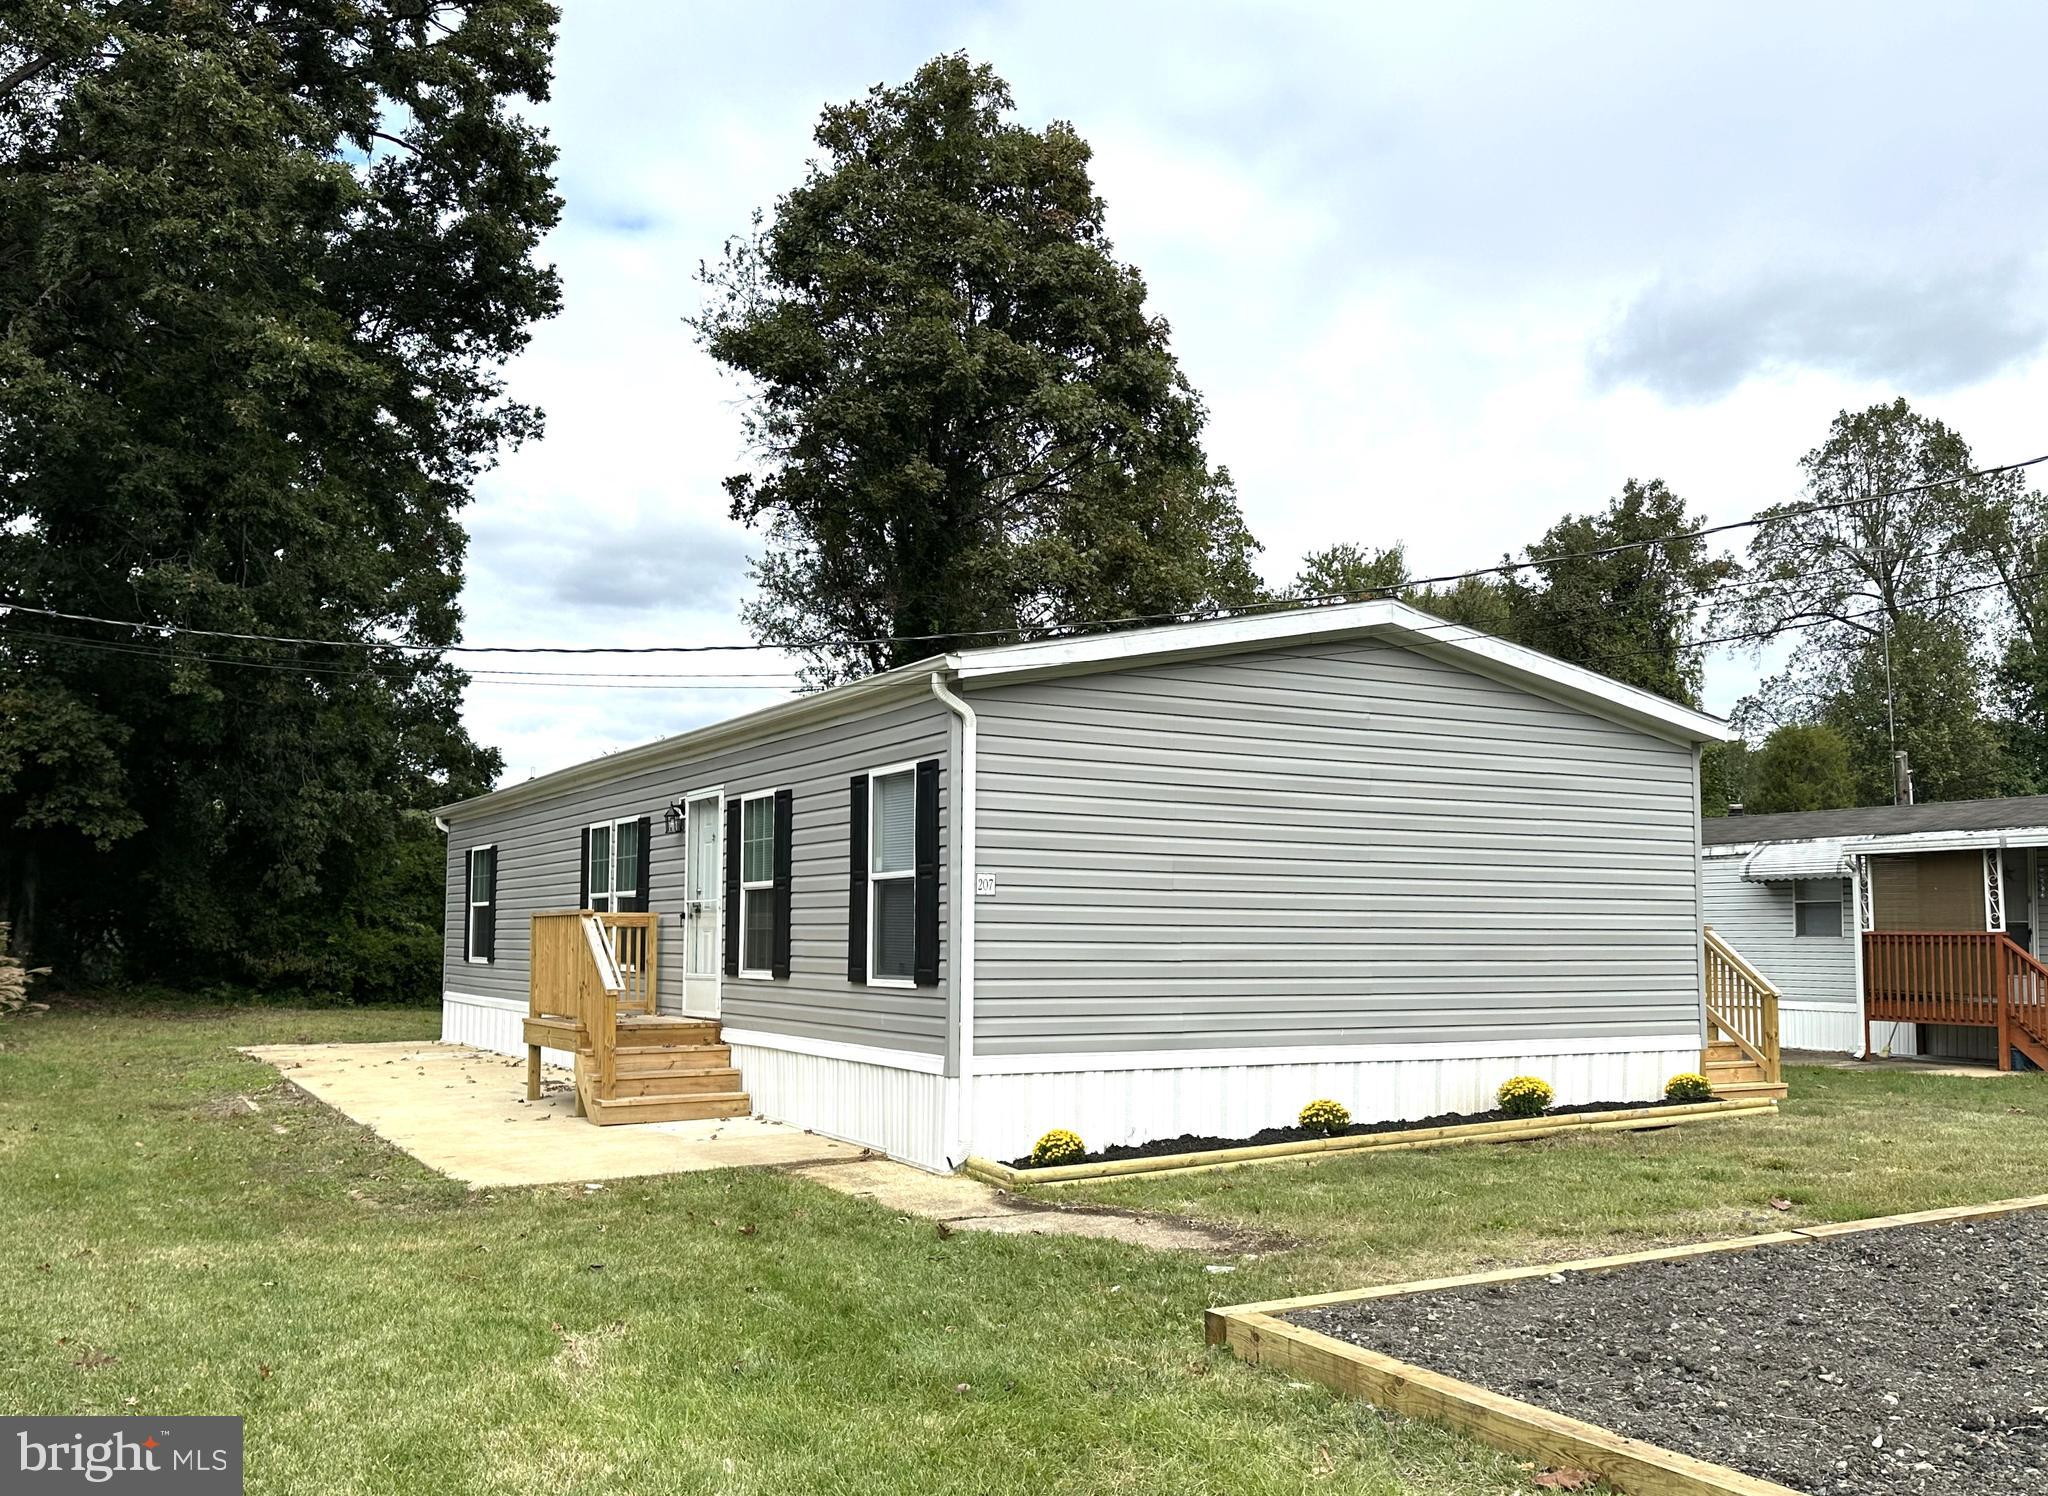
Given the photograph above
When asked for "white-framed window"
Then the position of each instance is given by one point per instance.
(892, 876)
(480, 932)
(1817, 907)
(757, 885)
(615, 854)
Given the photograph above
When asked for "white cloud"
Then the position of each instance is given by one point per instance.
(1441, 274)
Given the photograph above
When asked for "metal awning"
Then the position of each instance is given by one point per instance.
(1782, 862)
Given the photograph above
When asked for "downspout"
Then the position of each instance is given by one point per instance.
(963, 902)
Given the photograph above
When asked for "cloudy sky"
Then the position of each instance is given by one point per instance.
(1442, 274)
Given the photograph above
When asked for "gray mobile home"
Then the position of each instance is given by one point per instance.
(1136, 884)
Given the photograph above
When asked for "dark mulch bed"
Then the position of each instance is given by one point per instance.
(1189, 1142)
(1912, 1360)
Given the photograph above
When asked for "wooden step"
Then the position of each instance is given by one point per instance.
(637, 1030)
(1723, 1049)
(1745, 1090)
(667, 1108)
(1730, 1070)
(645, 1057)
(678, 1082)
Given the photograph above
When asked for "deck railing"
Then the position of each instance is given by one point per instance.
(1742, 1006)
(1969, 978)
(586, 969)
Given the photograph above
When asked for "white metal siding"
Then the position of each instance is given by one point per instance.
(1111, 1107)
(1758, 920)
(539, 850)
(1331, 843)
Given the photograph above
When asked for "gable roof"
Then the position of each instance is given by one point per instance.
(1398, 622)
(1878, 820)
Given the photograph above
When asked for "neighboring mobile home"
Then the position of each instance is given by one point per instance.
(1135, 884)
(1893, 926)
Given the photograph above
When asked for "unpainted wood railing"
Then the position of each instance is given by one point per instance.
(1742, 1007)
(1969, 978)
(587, 968)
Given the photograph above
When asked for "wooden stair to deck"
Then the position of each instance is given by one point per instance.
(666, 1069)
(1734, 1074)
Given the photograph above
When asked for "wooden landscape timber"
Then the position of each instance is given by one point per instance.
(1258, 1333)
(1507, 1130)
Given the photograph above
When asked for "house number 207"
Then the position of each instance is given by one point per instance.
(984, 884)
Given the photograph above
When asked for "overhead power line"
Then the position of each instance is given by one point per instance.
(1059, 630)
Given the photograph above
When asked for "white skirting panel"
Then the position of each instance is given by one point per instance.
(898, 1112)
(1830, 1027)
(1108, 1107)
(494, 1024)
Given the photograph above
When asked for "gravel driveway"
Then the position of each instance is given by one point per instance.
(1912, 1360)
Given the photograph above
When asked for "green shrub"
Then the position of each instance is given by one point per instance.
(1058, 1147)
(1525, 1096)
(1688, 1087)
(1325, 1117)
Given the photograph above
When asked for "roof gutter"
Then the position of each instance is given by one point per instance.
(963, 907)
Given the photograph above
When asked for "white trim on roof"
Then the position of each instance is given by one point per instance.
(1411, 627)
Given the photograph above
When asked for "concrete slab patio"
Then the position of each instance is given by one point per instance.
(463, 1112)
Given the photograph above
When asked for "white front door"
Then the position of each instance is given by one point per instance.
(704, 831)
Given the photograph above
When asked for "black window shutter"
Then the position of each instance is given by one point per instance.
(489, 920)
(925, 962)
(784, 800)
(583, 873)
(468, 893)
(732, 888)
(857, 880)
(646, 860)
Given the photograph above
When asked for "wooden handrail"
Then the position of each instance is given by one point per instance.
(584, 969)
(1742, 1005)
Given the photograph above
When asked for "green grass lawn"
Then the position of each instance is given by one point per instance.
(164, 1248)
(1848, 1144)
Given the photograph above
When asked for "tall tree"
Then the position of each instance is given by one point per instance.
(1621, 592)
(1880, 569)
(1921, 689)
(1878, 537)
(964, 418)
(1346, 572)
(1801, 766)
(260, 264)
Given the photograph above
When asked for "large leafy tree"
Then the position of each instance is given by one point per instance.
(963, 416)
(1880, 572)
(1922, 689)
(1801, 766)
(1621, 591)
(260, 264)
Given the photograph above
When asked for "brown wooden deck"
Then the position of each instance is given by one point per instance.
(1969, 978)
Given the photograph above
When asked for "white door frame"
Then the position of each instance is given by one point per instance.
(701, 989)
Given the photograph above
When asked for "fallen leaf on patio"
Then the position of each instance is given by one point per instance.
(1567, 1479)
(1779, 1202)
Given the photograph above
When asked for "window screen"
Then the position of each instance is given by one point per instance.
(1817, 907)
(892, 844)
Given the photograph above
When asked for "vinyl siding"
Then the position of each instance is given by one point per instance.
(1326, 844)
(539, 851)
(1757, 919)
